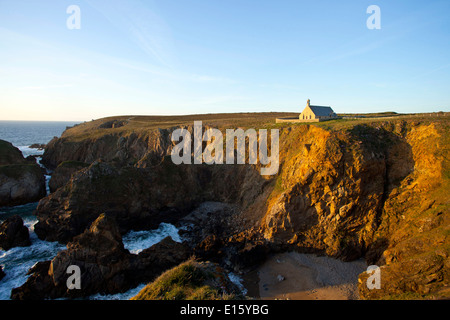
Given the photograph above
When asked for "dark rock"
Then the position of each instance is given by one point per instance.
(21, 180)
(100, 255)
(106, 266)
(21, 184)
(138, 198)
(39, 146)
(13, 233)
(164, 255)
(2, 273)
(63, 173)
(10, 154)
(39, 284)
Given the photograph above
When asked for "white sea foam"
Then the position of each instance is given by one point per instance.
(17, 261)
(27, 151)
(237, 280)
(136, 241)
(119, 296)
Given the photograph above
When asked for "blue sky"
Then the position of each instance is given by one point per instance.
(209, 56)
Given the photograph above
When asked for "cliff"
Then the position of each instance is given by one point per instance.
(376, 189)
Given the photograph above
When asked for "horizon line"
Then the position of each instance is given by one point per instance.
(211, 113)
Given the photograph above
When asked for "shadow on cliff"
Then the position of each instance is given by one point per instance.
(389, 142)
(140, 198)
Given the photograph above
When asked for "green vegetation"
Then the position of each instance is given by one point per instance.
(17, 171)
(73, 164)
(190, 280)
(369, 115)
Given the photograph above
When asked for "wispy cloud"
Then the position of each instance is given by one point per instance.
(147, 29)
(365, 43)
(210, 79)
(434, 70)
(45, 87)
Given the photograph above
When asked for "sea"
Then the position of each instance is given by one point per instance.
(17, 261)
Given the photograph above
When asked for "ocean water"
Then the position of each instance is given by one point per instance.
(17, 261)
(25, 133)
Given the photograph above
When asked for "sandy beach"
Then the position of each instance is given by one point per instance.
(296, 276)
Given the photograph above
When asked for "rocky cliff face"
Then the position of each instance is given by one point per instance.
(333, 187)
(138, 198)
(140, 148)
(411, 243)
(21, 180)
(62, 174)
(377, 190)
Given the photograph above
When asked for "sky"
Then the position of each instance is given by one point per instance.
(170, 57)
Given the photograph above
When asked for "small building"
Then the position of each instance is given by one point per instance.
(317, 113)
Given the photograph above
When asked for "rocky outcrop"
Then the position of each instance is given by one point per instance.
(38, 146)
(21, 184)
(106, 266)
(63, 173)
(13, 233)
(375, 190)
(219, 232)
(138, 198)
(123, 148)
(9, 154)
(331, 192)
(411, 242)
(191, 280)
(21, 180)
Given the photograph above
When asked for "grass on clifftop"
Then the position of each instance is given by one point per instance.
(127, 125)
(188, 281)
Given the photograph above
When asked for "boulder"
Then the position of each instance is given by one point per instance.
(21, 181)
(13, 233)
